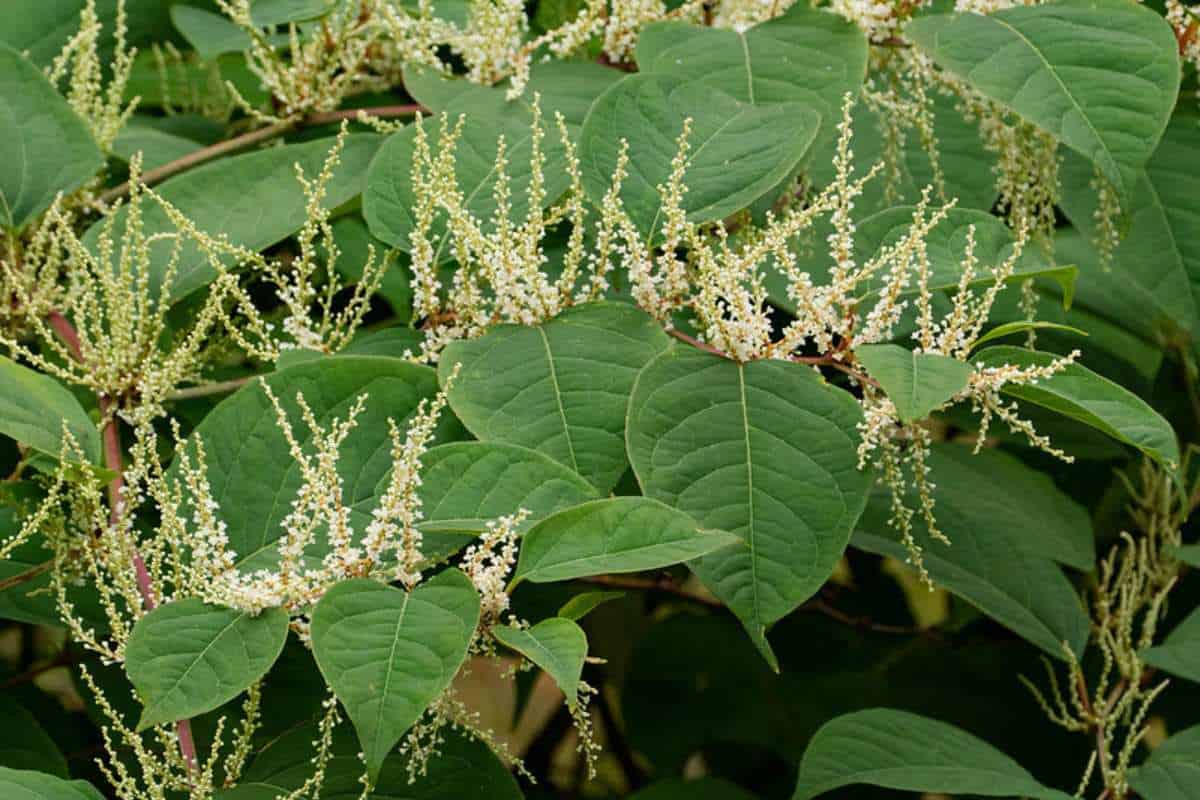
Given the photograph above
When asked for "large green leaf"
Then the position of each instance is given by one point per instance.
(157, 146)
(899, 750)
(618, 534)
(765, 450)
(1081, 394)
(188, 657)
(1108, 99)
(21, 784)
(42, 27)
(388, 199)
(561, 387)
(557, 645)
(738, 151)
(1007, 526)
(44, 147)
(34, 409)
(916, 383)
(252, 477)
(808, 56)
(1179, 654)
(1172, 772)
(464, 485)
(388, 653)
(25, 744)
(1159, 254)
(253, 199)
(463, 769)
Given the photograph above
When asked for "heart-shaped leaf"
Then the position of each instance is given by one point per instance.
(188, 657)
(387, 654)
(765, 450)
(557, 645)
(916, 383)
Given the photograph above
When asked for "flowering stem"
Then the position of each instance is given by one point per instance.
(159, 174)
(112, 460)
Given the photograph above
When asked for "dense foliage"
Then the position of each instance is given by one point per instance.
(705, 399)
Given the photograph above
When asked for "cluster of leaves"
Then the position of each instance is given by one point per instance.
(495, 399)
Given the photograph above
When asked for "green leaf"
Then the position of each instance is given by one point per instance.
(463, 769)
(557, 645)
(737, 151)
(34, 601)
(390, 342)
(210, 34)
(34, 408)
(43, 27)
(387, 654)
(1009, 328)
(464, 485)
(389, 202)
(1081, 394)
(1189, 554)
(1172, 772)
(898, 750)
(24, 743)
(1007, 524)
(916, 383)
(561, 387)
(253, 199)
(1159, 255)
(808, 56)
(765, 450)
(618, 534)
(188, 657)
(1179, 654)
(44, 147)
(252, 477)
(1109, 100)
(583, 604)
(20, 784)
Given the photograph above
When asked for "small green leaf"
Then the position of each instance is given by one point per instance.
(737, 151)
(561, 387)
(1081, 394)
(899, 750)
(1172, 772)
(916, 383)
(1189, 554)
(387, 654)
(583, 604)
(20, 784)
(45, 148)
(765, 450)
(557, 645)
(1009, 328)
(25, 744)
(1179, 654)
(619, 534)
(1108, 100)
(34, 408)
(210, 34)
(188, 657)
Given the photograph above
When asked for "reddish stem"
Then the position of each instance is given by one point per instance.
(113, 461)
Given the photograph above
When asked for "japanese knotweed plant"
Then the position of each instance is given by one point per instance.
(598, 398)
